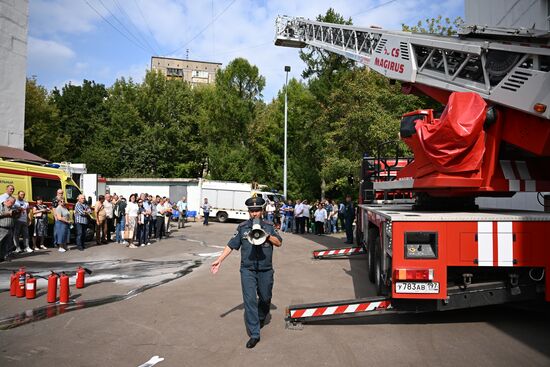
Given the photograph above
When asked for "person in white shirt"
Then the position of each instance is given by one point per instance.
(270, 210)
(108, 205)
(182, 208)
(8, 194)
(305, 215)
(334, 217)
(131, 219)
(299, 215)
(167, 215)
(206, 211)
(22, 223)
(160, 219)
(320, 217)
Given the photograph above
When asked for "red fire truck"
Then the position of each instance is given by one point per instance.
(441, 251)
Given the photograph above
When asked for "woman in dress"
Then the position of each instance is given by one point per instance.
(131, 219)
(40, 215)
(63, 220)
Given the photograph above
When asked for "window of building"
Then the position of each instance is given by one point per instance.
(174, 72)
(200, 74)
(45, 188)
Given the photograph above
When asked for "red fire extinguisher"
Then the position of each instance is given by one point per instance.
(64, 288)
(52, 287)
(13, 283)
(80, 276)
(30, 287)
(20, 289)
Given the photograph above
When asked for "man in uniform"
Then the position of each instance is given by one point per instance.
(349, 217)
(256, 268)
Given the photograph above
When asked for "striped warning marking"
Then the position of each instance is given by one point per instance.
(339, 310)
(339, 252)
(495, 250)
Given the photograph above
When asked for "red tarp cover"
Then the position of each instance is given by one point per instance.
(456, 141)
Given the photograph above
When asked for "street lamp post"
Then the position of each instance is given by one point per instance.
(287, 69)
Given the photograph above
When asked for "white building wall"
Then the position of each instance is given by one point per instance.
(508, 13)
(13, 63)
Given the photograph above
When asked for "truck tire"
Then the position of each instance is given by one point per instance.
(359, 240)
(222, 217)
(372, 234)
(381, 288)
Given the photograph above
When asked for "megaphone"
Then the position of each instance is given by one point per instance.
(257, 236)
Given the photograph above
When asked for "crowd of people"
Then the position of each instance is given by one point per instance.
(142, 218)
(134, 222)
(321, 217)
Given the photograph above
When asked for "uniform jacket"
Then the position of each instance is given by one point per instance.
(254, 257)
(349, 211)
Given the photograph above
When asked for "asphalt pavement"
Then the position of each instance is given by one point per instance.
(161, 300)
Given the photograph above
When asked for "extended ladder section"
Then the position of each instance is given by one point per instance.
(510, 72)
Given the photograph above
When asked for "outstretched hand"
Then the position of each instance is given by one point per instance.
(215, 266)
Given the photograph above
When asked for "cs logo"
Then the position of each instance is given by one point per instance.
(394, 52)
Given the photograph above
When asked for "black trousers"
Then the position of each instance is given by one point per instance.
(153, 227)
(319, 227)
(300, 224)
(80, 234)
(160, 227)
(110, 227)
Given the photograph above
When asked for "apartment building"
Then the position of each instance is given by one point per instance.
(192, 71)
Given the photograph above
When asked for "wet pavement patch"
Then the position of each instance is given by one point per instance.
(151, 273)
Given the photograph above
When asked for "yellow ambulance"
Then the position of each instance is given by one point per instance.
(40, 180)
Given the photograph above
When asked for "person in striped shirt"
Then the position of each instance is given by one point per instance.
(81, 214)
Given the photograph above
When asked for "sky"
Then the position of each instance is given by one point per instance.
(102, 40)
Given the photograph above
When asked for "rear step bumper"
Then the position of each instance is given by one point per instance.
(338, 252)
(338, 309)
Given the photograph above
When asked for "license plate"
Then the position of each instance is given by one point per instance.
(416, 287)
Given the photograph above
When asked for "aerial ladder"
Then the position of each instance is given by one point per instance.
(492, 139)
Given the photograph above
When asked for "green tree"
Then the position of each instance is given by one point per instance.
(41, 123)
(323, 68)
(438, 25)
(304, 141)
(363, 112)
(81, 110)
(230, 110)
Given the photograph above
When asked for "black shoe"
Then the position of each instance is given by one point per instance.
(262, 323)
(251, 343)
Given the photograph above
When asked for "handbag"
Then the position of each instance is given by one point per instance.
(128, 234)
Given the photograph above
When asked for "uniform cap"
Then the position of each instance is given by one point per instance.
(255, 203)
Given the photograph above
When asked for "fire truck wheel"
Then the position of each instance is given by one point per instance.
(372, 234)
(359, 240)
(379, 256)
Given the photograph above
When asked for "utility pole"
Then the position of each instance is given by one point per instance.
(287, 69)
